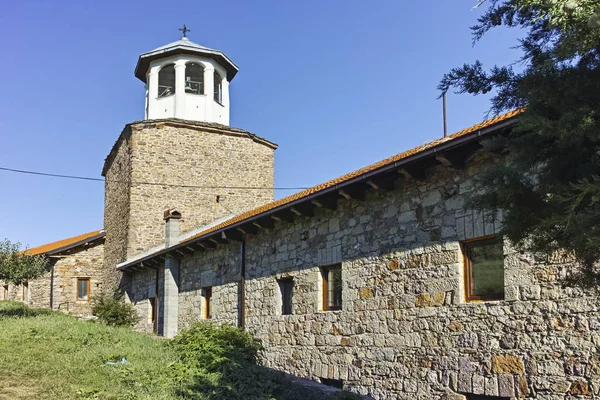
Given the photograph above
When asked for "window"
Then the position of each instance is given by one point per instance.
(5, 292)
(218, 88)
(286, 286)
(166, 81)
(207, 294)
(25, 295)
(83, 289)
(484, 269)
(332, 287)
(154, 313)
(194, 78)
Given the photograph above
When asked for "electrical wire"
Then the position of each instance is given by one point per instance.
(87, 178)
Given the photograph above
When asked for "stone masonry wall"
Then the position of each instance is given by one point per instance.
(116, 207)
(81, 262)
(405, 330)
(224, 162)
(189, 155)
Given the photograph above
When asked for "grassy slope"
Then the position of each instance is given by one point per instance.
(53, 356)
(49, 355)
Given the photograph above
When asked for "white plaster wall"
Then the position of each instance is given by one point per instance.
(183, 105)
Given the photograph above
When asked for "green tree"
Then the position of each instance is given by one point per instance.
(548, 182)
(18, 266)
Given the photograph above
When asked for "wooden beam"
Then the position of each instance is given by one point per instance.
(285, 216)
(266, 223)
(234, 235)
(452, 160)
(324, 202)
(355, 193)
(417, 174)
(210, 243)
(382, 184)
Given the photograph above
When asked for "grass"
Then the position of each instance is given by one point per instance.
(49, 355)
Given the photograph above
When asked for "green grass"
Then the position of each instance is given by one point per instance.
(49, 355)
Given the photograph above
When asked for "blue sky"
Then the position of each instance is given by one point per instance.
(337, 84)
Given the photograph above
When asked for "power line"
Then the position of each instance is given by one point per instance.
(87, 178)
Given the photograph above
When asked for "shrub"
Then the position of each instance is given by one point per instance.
(220, 362)
(113, 311)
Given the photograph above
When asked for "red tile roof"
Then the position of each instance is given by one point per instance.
(65, 243)
(358, 172)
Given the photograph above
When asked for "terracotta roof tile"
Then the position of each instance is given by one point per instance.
(46, 248)
(348, 176)
(305, 193)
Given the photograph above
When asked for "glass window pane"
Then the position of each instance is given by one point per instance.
(487, 263)
(218, 89)
(166, 81)
(286, 286)
(194, 78)
(82, 289)
(334, 279)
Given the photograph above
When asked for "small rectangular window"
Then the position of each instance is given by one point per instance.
(332, 287)
(286, 287)
(484, 269)
(207, 294)
(154, 313)
(83, 289)
(25, 295)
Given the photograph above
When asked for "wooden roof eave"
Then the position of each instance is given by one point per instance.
(362, 178)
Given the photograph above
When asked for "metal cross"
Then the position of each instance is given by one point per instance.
(185, 30)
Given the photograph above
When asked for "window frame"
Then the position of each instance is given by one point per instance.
(207, 296)
(282, 283)
(87, 279)
(325, 277)
(25, 292)
(200, 83)
(217, 94)
(466, 246)
(174, 88)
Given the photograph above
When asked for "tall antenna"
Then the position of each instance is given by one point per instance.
(444, 107)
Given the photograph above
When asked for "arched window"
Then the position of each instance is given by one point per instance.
(166, 81)
(194, 78)
(218, 88)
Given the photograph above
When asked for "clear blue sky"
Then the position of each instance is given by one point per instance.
(337, 84)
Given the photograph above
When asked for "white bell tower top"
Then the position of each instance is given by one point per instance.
(187, 81)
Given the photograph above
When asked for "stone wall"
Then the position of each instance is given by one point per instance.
(405, 330)
(85, 261)
(208, 171)
(117, 205)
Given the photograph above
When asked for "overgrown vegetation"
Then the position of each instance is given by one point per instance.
(548, 182)
(49, 355)
(111, 310)
(18, 266)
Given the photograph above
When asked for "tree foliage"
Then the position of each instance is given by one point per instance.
(548, 184)
(18, 266)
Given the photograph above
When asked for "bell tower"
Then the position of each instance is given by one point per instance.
(183, 155)
(188, 81)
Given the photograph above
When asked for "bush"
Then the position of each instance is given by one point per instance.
(220, 362)
(113, 311)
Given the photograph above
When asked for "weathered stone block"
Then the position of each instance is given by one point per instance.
(507, 364)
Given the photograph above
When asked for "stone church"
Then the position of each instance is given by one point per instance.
(380, 281)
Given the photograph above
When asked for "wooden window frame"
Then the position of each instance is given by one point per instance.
(281, 282)
(466, 246)
(89, 285)
(23, 296)
(207, 295)
(325, 276)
